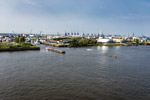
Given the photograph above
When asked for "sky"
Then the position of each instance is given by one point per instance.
(89, 16)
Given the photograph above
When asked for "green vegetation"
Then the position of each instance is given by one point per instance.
(19, 45)
(4, 46)
(79, 42)
(74, 43)
(147, 43)
(143, 43)
(112, 44)
(100, 44)
(20, 39)
(137, 41)
(26, 45)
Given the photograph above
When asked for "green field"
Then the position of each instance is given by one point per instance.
(19, 45)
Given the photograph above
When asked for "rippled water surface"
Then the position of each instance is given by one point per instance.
(77, 75)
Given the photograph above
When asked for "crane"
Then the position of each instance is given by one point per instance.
(38, 38)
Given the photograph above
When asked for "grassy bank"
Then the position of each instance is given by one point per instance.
(81, 42)
(144, 43)
(18, 47)
(112, 44)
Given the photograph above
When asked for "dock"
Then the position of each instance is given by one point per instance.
(56, 50)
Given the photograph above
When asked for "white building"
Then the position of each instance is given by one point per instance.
(104, 40)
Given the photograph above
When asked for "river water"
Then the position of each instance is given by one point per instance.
(77, 75)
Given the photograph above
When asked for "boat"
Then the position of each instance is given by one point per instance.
(89, 49)
(55, 50)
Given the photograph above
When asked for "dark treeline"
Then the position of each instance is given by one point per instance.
(77, 42)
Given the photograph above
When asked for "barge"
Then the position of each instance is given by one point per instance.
(55, 50)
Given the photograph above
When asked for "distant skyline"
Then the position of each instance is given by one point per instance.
(89, 16)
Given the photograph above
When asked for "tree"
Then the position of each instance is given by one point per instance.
(74, 43)
(92, 41)
(20, 39)
(137, 41)
(17, 40)
(83, 42)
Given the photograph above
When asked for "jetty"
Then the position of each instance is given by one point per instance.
(55, 50)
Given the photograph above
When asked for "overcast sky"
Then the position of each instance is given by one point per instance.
(92, 16)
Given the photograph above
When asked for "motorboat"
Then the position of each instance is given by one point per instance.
(90, 50)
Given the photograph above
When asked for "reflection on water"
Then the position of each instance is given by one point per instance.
(77, 75)
(118, 47)
(103, 49)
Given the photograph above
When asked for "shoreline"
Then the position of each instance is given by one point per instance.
(18, 49)
(104, 44)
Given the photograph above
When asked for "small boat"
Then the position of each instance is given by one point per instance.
(90, 50)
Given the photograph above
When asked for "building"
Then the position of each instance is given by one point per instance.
(73, 35)
(104, 40)
(117, 40)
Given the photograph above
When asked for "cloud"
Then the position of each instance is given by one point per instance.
(52, 16)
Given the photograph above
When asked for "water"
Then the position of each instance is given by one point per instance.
(77, 75)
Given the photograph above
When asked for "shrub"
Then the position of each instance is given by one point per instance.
(20, 39)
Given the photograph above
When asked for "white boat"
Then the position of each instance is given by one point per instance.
(90, 50)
